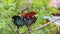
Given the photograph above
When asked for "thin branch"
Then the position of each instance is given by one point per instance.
(17, 32)
(25, 6)
(43, 25)
(10, 27)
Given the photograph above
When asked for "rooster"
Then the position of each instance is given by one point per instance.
(25, 19)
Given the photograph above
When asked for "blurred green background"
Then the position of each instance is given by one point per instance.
(9, 8)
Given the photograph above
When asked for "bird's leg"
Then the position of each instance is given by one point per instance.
(27, 32)
(29, 29)
(17, 32)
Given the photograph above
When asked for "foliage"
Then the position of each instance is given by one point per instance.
(8, 8)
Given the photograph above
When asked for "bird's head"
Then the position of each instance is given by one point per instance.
(15, 17)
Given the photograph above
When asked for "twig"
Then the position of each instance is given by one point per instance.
(17, 32)
(43, 25)
(25, 6)
(10, 27)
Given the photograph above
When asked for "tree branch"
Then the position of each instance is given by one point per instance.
(43, 25)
